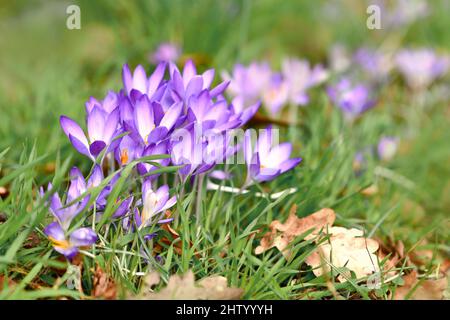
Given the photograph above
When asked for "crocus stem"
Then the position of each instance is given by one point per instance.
(198, 204)
(293, 114)
(212, 186)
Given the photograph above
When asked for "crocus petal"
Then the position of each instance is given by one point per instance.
(157, 135)
(127, 78)
(80, 146)
(123, 207)
(97, 147)
(163, 193)
(219, 89)
(140, 79)
(171, 116)
(194, 86)
(248, 113)
(83, 237)
(71, 128)
(110, 102)
(77, 184)
(55, 231)
(96, 121)
(91, 103)
(96, 177)
(289, 164)
(189, 71)
(169, 203)
(155, 79)
(111, 125)
(278, 154)
(143, 117)
(208, 77)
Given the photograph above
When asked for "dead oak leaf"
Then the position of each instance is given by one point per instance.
(415, 289)
(345, 248)
(183, 287)
(104, 286)
(280, 235)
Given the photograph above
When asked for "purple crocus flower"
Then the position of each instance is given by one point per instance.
(352, 99)
(108, 104)
(166, 52)
(266, 161)
(300, 77)
(249, 82)
(276, 95)
(187, 149)
(102, 127)
(69, 245)
(242, 112)
(150, 86)
(158, 149)
(183, 86)
(387, 148)
(150, 123)
(208, 114)
(375, 63)
(421, 67)
(65, 213)
(154, 203)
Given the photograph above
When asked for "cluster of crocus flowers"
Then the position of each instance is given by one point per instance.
(258, 81)
(178, 114)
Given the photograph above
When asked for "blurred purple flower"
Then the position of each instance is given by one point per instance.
(166, 52)
(421, 67)
(300, 77)
(249, 82)
(276, 95)
(376, 64)
(387, 148)
(352, 99)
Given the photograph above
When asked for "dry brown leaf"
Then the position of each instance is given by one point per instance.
(183, 287)
(345, 248)
(104, 286)
(294, 227)
(430, 289)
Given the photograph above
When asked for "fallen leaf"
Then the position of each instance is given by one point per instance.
(32, 241)
(415, 289)
(294, 227)
(345, 248)
(183, 287)
(103, 286)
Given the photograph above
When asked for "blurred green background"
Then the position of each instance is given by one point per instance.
(47, 70)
